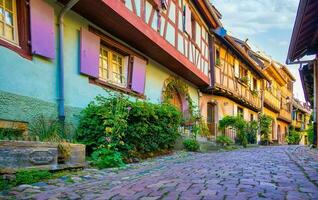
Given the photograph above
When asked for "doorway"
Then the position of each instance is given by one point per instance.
(211, 118)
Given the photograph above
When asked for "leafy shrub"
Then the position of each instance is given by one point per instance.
(310, 133)
(191, 145)
(251, 132)
(239, 124)
(131, 128)
(293, 137)
(265, 128)
(224, 140)
(105, 158)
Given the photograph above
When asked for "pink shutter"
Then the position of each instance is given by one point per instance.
(138, 75)
(42, 29)
(187, 21)
(89, 50)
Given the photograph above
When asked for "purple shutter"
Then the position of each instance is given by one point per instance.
(138, 75)
(42, 29)
(90, 47)
(187, 21)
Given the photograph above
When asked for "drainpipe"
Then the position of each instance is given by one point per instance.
(65, 9)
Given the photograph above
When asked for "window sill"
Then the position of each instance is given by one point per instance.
(106, 85)
(18, 50)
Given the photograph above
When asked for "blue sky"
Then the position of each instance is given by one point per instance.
(267, 24)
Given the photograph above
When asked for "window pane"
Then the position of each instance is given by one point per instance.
(138, 7)
(1, 29)
(1, 14)
(8, 18)
(103, 64)
(129, 5)
(172, 12)
(9, 32)
(8, 5)
(170, 35)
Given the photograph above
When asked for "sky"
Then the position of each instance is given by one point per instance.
(267, 24)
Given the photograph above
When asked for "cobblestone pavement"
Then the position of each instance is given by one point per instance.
(282, 172)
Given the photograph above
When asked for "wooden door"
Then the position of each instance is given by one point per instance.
(211, 121)
(176, 100)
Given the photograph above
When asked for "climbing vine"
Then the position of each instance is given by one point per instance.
(173, 84)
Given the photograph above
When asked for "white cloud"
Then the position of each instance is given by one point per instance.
(249, 17)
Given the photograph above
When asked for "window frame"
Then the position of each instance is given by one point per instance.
(22, 47)
(110, 78)
(15, 27)
(124, 50)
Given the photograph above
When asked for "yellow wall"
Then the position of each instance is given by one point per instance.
(225, 107)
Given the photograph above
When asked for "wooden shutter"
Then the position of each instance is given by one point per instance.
(89, 50)
(187, 20)
(138, 75)
(42, 29)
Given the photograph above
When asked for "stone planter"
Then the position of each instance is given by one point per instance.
(42, 155)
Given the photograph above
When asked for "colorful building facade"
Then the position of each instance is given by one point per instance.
(301, 119)
(57, 56)
(54, 61)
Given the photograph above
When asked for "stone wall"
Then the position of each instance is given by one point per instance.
(26, 154)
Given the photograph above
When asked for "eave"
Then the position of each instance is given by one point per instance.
(304, 40)
(307, 80)
(113, 17)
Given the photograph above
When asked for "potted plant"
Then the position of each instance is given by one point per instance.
(254, 93)
(245, 80)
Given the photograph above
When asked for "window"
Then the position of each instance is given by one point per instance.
(193, 28)
(217, 56)
(240, 111)
(243, 72)
(8, 21)
(112, 67)
(251, 117)
(254, 84)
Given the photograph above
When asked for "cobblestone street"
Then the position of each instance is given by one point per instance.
(283, 172)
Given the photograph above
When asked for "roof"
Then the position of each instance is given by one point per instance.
(286, 70)
(304, 40)
(231, 41)
(301, 106)
(307, 80)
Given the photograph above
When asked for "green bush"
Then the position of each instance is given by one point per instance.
(251, 132)
(239, 124)
(310, 133)
(265, 128)
(105, 158)
(293, 137)
(131, 128)
(191, 145)
(224, 140)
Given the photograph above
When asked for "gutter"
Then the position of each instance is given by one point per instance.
(65, 9)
